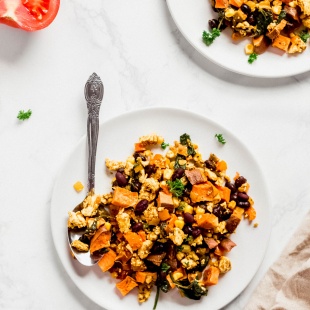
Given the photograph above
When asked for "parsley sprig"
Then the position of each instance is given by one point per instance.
(252, 58)
(209, 37)
(22, 115)
(176, 187)
(164, 145)
(220, 138)
(304, 35)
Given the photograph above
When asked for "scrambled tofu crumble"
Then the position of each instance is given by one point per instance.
(167, 221)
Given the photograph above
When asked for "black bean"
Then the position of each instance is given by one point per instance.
(231, 186)
(187, 229)
(141, 206)
(158, 248)
(135, 186)
(196, 232)
(136, 227)
(245, 8)
(136, 155)
(150, 169)
(251, 19)
(243, 196)
(177, 174)
(121, 179)
(234, 196)
(222, 213)
(243, 204)
(213, 23)
(241, 180)
(210, 164)
(188, 218)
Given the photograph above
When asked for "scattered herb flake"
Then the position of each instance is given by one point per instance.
(176, 187)
(209, 37)
(252, 58)
(165, 267)
(304, 35)
(220, 138)
(164, 145)
(22, 115)
(281, 16)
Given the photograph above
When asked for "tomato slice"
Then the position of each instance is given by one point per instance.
(29, 15)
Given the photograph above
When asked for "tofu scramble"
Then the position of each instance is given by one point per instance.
(167, 221)
(283, 24)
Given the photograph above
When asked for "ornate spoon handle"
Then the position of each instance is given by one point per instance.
(93, 94)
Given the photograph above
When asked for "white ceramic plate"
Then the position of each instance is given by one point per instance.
(191, 18)
(116, 139)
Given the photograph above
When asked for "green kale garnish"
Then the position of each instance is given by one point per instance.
(185, 139)
(22, 115)
(281, 16)
(177, 164)
(304, 35)
(193, 290)
(176, 187)
(165, 267)
(252, 58)
(164, 145)
(220, 138)
(209, 37)
(264, 18)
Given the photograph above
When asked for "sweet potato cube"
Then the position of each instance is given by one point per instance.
(107, 261)
(221, 4)
(100, 240)
(210, 276)
(126, 285)
(203, 192)
(251, 213)
(164, 215)
(221, 165)
(236, 3)
(139, 147)
(224, 192)
(158, 160)
(206, 220)
(124, 198)
(165, 201)
(282, 42)
(234, 220)
(142, 276)
(134, 240)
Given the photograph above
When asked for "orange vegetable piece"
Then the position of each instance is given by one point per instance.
(142, 234)
(251, 213)
(107, 261)
(170, 225)
(134, 240)
(139, 147)
(224, 192)
(171, 283)
(206, 220)
(221, 4)
(281, 42)
(210, 276)
(158, 160)
(221, 165)
(203, 192)
(100, 240)
(236, 3)
(164, 215)
(126, 285)
(124, 198)
(165, 188)
(142, 275)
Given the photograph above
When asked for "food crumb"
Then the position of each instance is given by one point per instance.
(78, 186)
(255, 225)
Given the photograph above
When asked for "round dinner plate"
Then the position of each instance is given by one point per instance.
(191, 18)
(116, 141)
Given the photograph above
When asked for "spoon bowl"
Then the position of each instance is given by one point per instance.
(93, 92)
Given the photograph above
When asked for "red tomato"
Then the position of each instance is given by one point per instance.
(29, 15)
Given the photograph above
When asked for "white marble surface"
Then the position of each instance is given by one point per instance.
(143, 61)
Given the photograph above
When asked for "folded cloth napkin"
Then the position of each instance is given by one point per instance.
(286, 285)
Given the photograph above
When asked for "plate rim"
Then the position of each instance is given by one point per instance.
(171, 109)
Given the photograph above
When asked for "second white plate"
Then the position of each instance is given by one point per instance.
(191, 18)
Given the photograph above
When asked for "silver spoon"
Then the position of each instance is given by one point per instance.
(93, 92)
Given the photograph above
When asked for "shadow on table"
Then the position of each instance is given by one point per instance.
(13, 43)
(222, 73)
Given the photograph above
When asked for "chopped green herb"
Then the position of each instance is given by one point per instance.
(176, 187)
(185, 139)
(209, 37)
(164, 145)
(252, 58)
(304, 35)
(177, 164)
(220, 138)
(264, 18)
(179, 248)
(165, 267)
(281, 16)
(22, 115)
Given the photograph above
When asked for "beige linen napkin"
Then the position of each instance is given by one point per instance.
(286, 285)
